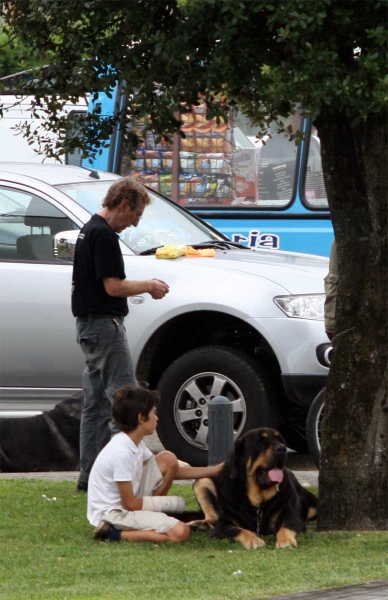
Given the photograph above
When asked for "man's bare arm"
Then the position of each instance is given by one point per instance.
(123, 288)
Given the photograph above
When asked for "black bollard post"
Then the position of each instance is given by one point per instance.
(220, 436)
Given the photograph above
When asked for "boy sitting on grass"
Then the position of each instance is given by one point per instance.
(128, 485)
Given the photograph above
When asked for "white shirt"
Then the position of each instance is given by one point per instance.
(120, 460)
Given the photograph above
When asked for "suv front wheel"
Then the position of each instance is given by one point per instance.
(189, 384)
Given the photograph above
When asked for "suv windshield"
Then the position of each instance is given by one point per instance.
(162, 222)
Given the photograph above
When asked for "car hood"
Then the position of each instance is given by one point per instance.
(295, 273)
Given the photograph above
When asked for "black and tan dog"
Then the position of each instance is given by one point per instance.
(254, 495)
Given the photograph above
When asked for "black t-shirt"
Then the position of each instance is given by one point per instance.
(97, 256)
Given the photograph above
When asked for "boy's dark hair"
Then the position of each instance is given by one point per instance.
(128, 402)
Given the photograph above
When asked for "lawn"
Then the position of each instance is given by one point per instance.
(47, 551)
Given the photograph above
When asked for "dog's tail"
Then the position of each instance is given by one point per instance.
(190, 515)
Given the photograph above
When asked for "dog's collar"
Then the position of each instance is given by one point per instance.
(259, 518)
(259, 510)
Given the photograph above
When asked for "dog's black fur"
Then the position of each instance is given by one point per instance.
(46, 442)
(242, 502)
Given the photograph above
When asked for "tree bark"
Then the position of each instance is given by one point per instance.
(353, 479)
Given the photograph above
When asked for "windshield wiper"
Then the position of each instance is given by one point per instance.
(149, 251)
(16, 213)
(222, 244)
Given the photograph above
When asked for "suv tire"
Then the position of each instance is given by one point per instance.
(192, 380)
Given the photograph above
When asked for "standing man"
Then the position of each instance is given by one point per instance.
(331, 289)
(99, 302)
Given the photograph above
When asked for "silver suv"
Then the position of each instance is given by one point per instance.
(247, 324)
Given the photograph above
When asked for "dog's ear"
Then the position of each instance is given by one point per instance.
(236, 459)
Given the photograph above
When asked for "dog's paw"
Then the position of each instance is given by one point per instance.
(286, 538)
(249, 540)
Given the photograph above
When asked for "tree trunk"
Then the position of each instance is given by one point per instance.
(353, 479)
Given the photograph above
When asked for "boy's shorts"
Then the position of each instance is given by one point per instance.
(143, 519)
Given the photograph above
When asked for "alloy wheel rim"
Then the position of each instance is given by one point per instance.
(192, 402)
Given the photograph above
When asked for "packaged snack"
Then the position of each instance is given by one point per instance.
(203, 129)
(188, 129)
(219, 144)
(167, 161)
(187, 162)
(211, 186)
(170, 251)
(201, 109)
(200, 119)
(203, 163)
(219, 129)
(187, 118)
(153, 161)
(165, 184)
(188, 144)
(198, 186)
(203, 144)
(184, 184)
(138, 164)
(141, 133)
(152, 181)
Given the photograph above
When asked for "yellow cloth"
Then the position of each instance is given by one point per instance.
(172, 251)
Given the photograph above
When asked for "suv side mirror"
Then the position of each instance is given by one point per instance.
(64, 244)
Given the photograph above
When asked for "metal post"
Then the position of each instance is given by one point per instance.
(220, 436)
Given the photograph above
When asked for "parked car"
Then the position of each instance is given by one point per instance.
(246, 324)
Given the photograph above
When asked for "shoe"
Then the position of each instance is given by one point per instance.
(102, 531)
(82, 487)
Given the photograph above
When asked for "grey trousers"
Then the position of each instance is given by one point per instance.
(104, 343)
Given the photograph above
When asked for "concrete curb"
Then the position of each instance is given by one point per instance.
(306, 478)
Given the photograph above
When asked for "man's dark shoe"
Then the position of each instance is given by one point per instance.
(102, 531)
(82, 487)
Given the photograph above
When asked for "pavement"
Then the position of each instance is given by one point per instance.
(375, 590)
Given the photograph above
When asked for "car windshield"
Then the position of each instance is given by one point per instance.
(162, 222)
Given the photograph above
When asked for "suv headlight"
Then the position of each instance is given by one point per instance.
(302, 307)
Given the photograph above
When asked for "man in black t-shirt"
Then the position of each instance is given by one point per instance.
(99, 301)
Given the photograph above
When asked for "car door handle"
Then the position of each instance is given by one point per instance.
(137, 300)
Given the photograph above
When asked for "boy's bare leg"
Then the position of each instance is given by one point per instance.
(170, 469)
(168, 465)
(179, 533)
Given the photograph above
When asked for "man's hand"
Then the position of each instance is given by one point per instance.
(158, 289)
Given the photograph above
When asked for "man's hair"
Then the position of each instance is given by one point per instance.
(130, 401)
(127, 189)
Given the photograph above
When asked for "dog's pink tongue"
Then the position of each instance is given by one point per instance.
(276, 475)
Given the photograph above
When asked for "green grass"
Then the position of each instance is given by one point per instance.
(47, 551)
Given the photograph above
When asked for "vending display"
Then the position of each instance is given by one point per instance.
(205, 160)
(205, 170)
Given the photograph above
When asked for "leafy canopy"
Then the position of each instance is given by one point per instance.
(328, 56)
(13, 56)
